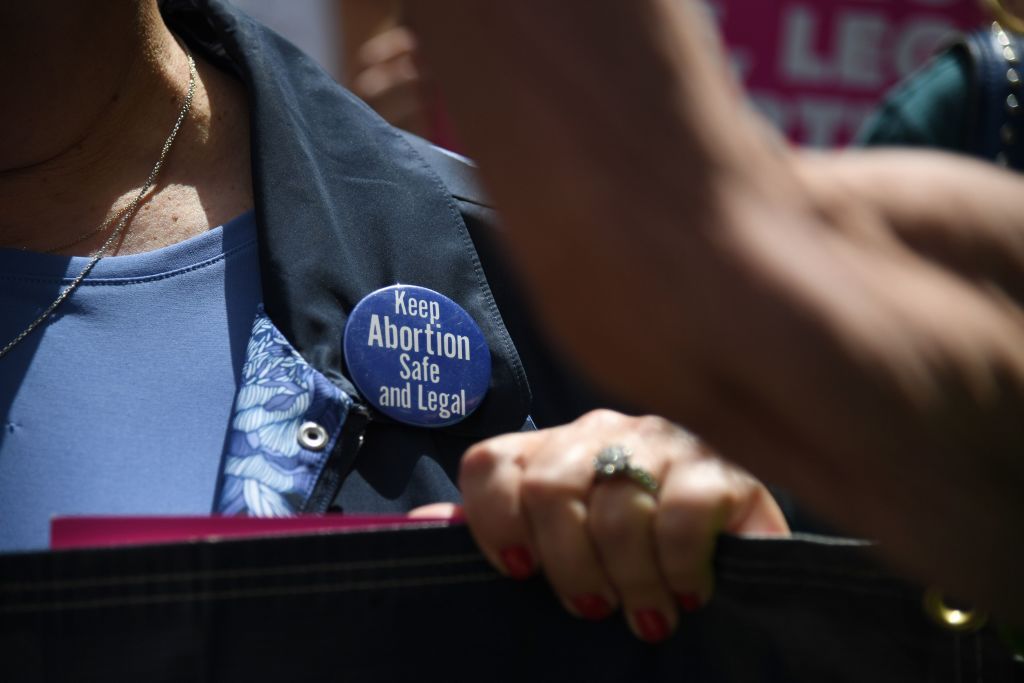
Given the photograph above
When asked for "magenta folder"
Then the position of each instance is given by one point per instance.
(98, 532)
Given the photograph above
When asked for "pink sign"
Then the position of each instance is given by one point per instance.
(817, 67)
(99, 532)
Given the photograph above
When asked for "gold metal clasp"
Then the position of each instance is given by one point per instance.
(959, 619)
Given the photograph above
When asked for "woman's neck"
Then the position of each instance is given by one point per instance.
(102, 84)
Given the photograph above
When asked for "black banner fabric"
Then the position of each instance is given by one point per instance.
(422, 604)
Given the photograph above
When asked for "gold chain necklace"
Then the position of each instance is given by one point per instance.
(122, 216)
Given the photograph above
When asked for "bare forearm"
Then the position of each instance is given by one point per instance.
(570, 83)
(709, 274)
(614, 123)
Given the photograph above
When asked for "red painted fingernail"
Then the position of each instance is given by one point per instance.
(651, 625)
(591, 606)
(518, 561)
(690, 602)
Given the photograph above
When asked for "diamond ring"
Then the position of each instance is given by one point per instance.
(612, 462)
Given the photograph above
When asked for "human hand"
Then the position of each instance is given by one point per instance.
(533, 503)
(392, 80)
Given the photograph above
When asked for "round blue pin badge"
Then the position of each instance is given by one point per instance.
(417, 356)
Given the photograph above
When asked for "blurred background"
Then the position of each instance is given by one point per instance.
(815, 67)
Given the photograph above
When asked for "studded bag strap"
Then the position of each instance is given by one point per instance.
(997, 125)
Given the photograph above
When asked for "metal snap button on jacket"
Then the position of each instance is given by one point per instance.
(312, 436)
